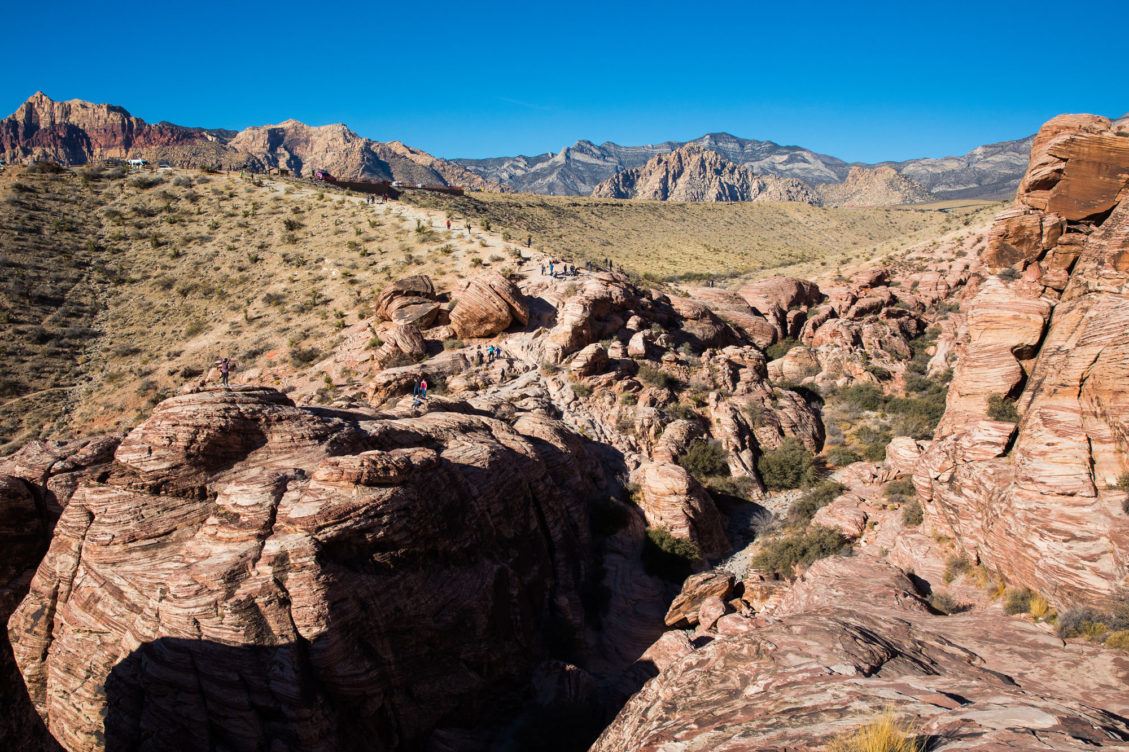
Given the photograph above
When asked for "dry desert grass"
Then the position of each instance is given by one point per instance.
(683, 241)
(118, 288)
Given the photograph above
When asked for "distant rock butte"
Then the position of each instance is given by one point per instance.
(691, 173)
(874, 186)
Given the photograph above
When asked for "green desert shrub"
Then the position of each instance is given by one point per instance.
(1017, 601)
(841, 456)
(899, 489)
(780, 349)
(780, 556)
(912, 513)
(1082, 622)
(654, 377)
(704, 459)
(818, 496)
(1002, 408)
(945, 603)
(955, 566)
(789, 465)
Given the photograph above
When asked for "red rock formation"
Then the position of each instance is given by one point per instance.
(1038, 502)
(485, 305)
(250, 573)
(76, 132)
(670, 498)
(35, 484)
(852, 640)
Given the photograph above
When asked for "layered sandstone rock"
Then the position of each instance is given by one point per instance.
(853, 640)
(485, 305)
(408, 300)
(1038, 502)
(36, 483)
(670, 498)
(250, 573)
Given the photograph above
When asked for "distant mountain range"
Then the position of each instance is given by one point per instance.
(76, 132)
(992, 171)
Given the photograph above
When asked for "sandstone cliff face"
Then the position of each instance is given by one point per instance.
(35, 484)
(302, 148)
(76, 132)
(1038, 501)
(250, 573)
(695, 174)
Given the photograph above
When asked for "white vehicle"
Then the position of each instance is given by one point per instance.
(137, 163)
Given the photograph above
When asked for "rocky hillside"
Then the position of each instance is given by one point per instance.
(987, 172)
(77, 132)
(691, 173)
(785, 513)
(876, 186)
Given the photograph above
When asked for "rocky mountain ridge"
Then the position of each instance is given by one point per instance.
(691, 173)
(991, 171)
(77, 132)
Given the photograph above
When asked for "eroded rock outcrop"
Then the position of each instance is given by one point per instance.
(1038, 501)
(854, 639)
(485, 305)
(250, 573)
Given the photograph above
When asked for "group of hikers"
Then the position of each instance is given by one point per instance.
(557, 269)
(371, 199)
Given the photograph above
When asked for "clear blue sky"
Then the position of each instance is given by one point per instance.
(873, 82)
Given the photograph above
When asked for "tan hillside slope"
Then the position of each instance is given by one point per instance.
(689, 240)
(119, 287)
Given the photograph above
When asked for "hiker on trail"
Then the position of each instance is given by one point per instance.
(423, 388)
(225, 365)
(478, 356)
(448, 225)
(529, 242)
(542, 270)
(551, 274)
(490, 353)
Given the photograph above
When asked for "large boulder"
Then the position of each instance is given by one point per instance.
(409, 300)
(252, 575)
(670, 498)
(683, 611)
(485, 305)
